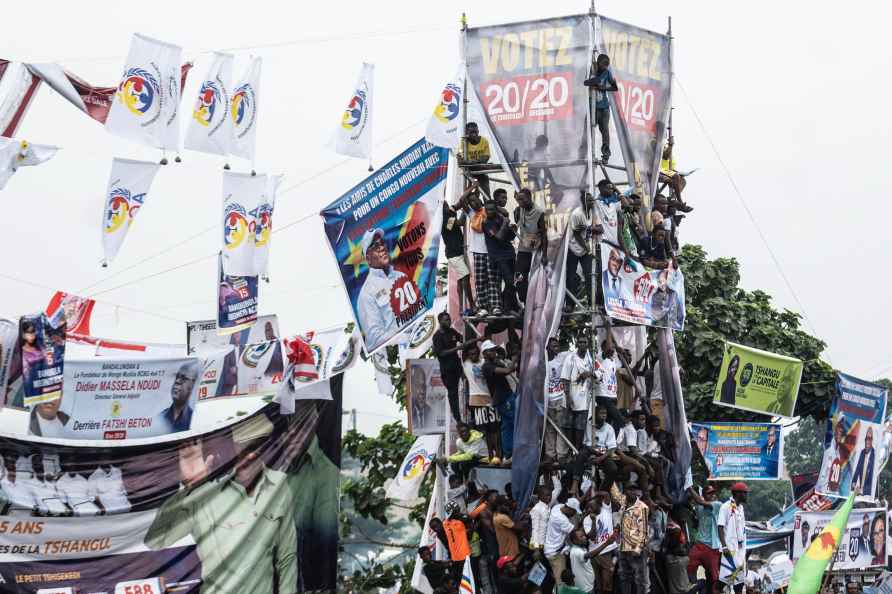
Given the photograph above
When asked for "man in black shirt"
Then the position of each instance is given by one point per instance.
(453, 235)
(447, 342)
(496, 372)
(652, 249)
(435, 571)
(499, 234)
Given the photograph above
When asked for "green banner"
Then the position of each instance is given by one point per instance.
(759, 381)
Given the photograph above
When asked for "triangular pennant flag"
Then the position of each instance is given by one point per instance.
(353, 135)
(444, 127)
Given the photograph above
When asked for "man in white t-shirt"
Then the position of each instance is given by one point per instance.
(598, 526)
(732, 534)
(555, 446)
(600, 449)
(108, 485)
(539, 517)
(580, 562)
(576, 378)
(560, 524)
(582, 222)
(488, 297)
(605, 390)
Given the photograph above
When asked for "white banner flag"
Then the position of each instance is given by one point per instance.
(415, 342)
(242, 194)
(147, 102)
(444, 127)
(210, 127)
(353, 136)
(128, 186)
(411, 472)
(21, 153)
(262, 217)
(243, 111)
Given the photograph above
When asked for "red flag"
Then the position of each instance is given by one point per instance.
(301, 355)
(75, 310)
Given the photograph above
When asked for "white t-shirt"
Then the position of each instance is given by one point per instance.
(573, 367)
(555, 391)
(606, 388)
(559, 526)
(627, 438)
(478, 390)
(582, 223)
(608, 217)
(602, 439)
(604, 525)
(583, 572)
(476, 240)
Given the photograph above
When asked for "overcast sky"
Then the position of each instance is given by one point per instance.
(792, 97)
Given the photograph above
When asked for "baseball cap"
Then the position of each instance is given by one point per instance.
(740, 487)
(574, 504)
(488, 345)
(254, 428)
(369, 238)
(503, 561)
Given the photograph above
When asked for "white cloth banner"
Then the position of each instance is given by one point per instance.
(429, 539)
(19, 95)
(382, 375)
(415, 342)
(444, 127)
(262, 217)
(243, 111)
(415, 465)
(210, 127)
(128, 186)
(21, 153)
(353, 136)
(147, 103)
(242, 194)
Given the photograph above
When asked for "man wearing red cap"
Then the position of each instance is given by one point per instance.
(732, 534)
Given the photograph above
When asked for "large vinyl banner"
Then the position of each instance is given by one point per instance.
(740, 450)
(859, 399)
(528, 77)
(758, 381)
(862, 545)
(251, 507)
(105, 398)
(385, 236)
(237, 300)
(243, 363)
(42, 348)
(640, 61)
(641, 295)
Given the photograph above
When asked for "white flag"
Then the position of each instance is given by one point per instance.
(210, 127)
(467, 584)
(146, 105)
(262, 217)
(415, 465)
(353, 136)
(428, 537)
(128, 186)
(21, 153)
(417, 340)
(382, 375)
(243, 111)
(242, 193)
(444, 127)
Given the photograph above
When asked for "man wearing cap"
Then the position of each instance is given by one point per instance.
(560, 525)
(375, 304)
(242, 522)
(732, 535)
(178, 416)
(706, 551)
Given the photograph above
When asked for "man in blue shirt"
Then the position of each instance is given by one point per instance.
(706, 551)
(603, 82)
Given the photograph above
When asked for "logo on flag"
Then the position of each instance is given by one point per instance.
(243, 109)
(417, 464)
(118, 211)
(263, 222)
(208, 98)
(450, 104)
(356, 113)
(235, 228)
(138, 91)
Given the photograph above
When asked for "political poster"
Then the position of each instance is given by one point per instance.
(96, 518)
(758, 381)
(427, 401)
(528, 77)
(852, 458)
(105, 398)
(385, 235)
(752, 451)
(42, 348)
(862, 545)
(805, 500)
(641, 295)
(75, 311)
(417, 340)
(242, 363)
(640, 61)
(858, 399)
(237, 299)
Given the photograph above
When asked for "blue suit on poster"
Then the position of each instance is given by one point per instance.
(613, 288)
(770, 458)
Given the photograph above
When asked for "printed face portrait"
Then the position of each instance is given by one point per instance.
(49, 410)
(377, 255)
(183, 383)
(616, 261)
(878, 537)
(702, 439)
(772, 436)
(733, 364)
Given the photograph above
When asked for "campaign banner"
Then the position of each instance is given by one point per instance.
(385, 235)
(103, 518)
(750, 451)
(243, 110)
(427, 401)
(806, 499)
(858, 399)
(128, 187)
(318, 355)
(862, 545)
(73, 310)
(411, 472)
(641, 295)
(42, 348)
(417, 340)
(758, 381)
(528, 77)
(210, 127)
(640, 61)
(111, 348)
(105, 398)
(242, 363)
(147, 103)
(852, 458)
(353, 134)
(245, 204)
(237, 300)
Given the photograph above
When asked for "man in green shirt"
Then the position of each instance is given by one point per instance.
(242, 523)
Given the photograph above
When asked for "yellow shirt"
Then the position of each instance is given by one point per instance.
(478, 152)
